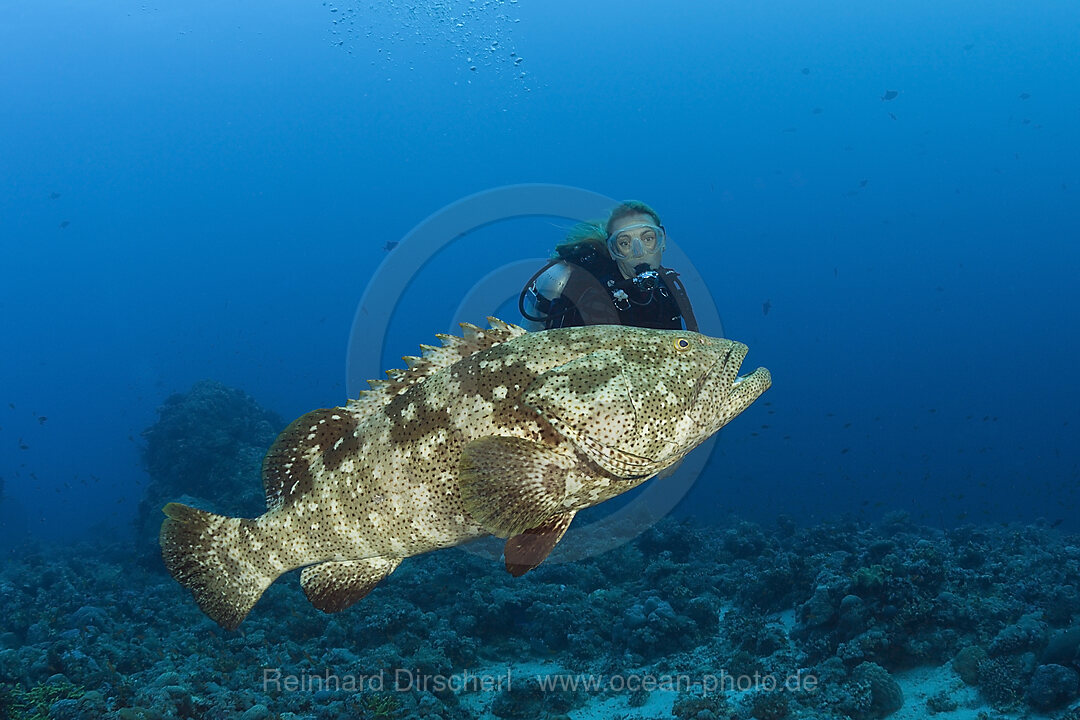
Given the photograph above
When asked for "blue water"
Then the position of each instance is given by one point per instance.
(206, 192)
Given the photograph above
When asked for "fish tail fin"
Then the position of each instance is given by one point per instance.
(217, 558)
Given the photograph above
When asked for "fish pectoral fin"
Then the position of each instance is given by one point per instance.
(509, 484)
(334, 586)
(526, 550)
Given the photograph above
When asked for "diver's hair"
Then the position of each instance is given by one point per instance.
(584, 233)
(596, 232)
(628, 207)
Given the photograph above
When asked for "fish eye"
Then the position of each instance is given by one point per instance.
(682, 344)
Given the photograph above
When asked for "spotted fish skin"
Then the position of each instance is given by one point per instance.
(499, 432)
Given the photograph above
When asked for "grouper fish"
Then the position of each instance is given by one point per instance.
(499, 432)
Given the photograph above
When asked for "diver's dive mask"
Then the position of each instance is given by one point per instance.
(633, 245)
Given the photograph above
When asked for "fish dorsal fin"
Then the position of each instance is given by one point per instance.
(433, 359)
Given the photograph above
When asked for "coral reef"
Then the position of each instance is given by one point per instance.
(207, 446)
(738, 621)
(941, 702)
(966, 663)
(839, 603)
(1052, 686)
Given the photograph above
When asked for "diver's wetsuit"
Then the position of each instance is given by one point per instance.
(597, 294)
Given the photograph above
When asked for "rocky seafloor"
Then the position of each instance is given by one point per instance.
(741, 621)
(832, 621)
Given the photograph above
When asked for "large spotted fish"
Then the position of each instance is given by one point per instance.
(500, 432)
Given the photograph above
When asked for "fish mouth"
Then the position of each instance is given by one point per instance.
(723, 393)
(760, 376)
(745, 389)
(758, 381)
(733, 392)
(729, 364)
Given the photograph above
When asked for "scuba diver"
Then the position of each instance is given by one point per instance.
(609, 273)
